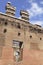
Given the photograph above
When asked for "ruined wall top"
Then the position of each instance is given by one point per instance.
(10, 12)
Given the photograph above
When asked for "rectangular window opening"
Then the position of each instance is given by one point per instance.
(18, 50)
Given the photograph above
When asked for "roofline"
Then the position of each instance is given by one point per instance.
(18, 19)
(14, 17)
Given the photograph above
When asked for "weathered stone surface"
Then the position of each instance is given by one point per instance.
(31, 36)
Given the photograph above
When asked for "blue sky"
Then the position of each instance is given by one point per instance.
(34, 7)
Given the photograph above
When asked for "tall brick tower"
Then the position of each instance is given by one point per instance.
(21, 43)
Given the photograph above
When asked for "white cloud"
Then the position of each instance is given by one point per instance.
(37, 22)
(30, 1)
(35, 10)
(41, 2)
